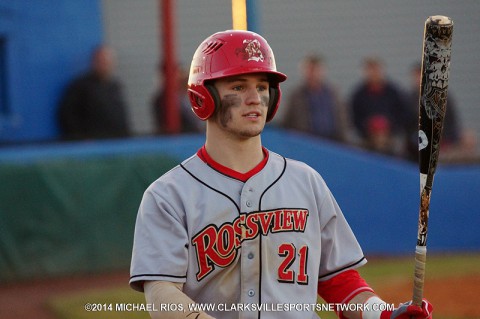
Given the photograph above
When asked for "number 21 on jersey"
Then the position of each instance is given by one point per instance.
(285, 272)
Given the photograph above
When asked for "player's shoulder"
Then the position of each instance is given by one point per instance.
(176, 175)
(294, 166)
(294, 163)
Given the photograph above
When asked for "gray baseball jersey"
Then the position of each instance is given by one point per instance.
(254, 245)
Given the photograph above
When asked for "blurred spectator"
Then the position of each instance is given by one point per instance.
(378, 96)
(93, 105)
(189, 121)
(452, 132)
(314, 106)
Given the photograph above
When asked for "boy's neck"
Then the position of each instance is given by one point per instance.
(238, 155)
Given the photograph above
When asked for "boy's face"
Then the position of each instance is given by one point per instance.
(244, 104)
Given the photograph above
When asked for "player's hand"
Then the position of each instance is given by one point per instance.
(408, 310)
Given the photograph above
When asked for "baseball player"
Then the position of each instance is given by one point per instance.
(241, 229)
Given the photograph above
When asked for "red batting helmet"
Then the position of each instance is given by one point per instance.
(228, 53)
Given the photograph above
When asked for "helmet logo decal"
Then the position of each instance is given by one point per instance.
(251, 50)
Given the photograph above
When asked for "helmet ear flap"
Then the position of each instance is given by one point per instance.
(202, 101)
(214, 95)
(275, 97)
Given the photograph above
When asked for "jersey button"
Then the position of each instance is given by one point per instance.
(250, 256)
(251, 293)
(248, 203)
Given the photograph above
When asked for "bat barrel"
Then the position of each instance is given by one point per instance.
(432, 108)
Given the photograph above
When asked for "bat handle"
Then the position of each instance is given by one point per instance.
(418, 283)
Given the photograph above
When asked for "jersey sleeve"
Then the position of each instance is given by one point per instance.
(340, 248)
(160, 240)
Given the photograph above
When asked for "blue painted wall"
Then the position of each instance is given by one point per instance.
(378, 195)
(46, 43)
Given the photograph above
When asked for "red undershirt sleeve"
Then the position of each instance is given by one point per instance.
(342, 288)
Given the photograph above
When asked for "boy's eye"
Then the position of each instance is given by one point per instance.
(241, 87)
(262, 88)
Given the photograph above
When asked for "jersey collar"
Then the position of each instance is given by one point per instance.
(203, 155)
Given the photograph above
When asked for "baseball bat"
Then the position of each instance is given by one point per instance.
(437, 42)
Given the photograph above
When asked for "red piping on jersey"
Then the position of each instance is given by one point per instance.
(341, 288)
(203, 155)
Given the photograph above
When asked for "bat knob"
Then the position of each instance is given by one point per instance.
(440, 20)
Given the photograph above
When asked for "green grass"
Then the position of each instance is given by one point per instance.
(378, 272)
(438, 265)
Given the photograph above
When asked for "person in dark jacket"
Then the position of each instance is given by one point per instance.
(377, 96)
(188, 121)
(93, 105)
(314, 106)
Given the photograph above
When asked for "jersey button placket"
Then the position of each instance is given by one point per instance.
(250, 271)
(247, 194)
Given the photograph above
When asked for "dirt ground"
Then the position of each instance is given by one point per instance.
(453, 297)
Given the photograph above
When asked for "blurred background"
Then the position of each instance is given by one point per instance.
(71, 184)
(43, 45)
